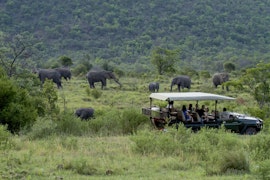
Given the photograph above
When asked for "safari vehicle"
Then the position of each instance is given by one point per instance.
(235, 122)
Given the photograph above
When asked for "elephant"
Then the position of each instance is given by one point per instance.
(85, 113)
(153, 87)
(100, 76)
(220, 78)
(183, 81)
(50, 74)
(65, 73)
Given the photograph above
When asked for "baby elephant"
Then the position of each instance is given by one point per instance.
(153, 87)
(85, 113)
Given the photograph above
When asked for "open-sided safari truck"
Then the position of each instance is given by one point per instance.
(161, 116)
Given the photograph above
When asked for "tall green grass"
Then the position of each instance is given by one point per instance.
(120, 143)
(111, 123)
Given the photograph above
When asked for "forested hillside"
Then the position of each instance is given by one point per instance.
(207, 32)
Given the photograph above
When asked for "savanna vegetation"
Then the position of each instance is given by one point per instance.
(120, 142)
(142, 42)
(206, 32)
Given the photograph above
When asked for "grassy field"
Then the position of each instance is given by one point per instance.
(109, 152)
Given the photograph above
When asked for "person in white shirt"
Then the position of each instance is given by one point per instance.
(225, 114)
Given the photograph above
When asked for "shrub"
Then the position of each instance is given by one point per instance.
(93, 92)
(157, 142)
(259, 146)
(67, 123)
(42, 128)
(131, 120)
(115, 122)
(234, 160)
(4, 137)
(107, 124)
(263, 171)
(222, 162)
(81, 166)
(17, 107)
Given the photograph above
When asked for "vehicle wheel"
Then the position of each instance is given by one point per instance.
(251, 131)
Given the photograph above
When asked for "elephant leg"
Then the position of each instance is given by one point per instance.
(92, 85)
(179, 87)
(103, 84)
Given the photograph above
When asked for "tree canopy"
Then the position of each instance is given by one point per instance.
(164, 60)
(208, 32)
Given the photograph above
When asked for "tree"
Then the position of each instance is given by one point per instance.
(17, 109)
(229, 66)
(257, 82)
(164, 59)
(65, 61)
(15, 52)
(204, 75)
(50, 94)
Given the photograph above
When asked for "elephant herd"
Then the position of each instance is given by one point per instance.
(54, 74)
(184, 81)
(92, 76)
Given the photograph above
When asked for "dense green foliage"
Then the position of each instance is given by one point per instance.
(59, 145)
(207, 32)
(135, 39)
(17, 107)
(207, 154)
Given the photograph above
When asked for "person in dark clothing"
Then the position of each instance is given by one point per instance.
(201, 112)
(190, 108)
(188, 117)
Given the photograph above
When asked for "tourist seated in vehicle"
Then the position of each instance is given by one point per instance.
(190, 108)
(170, 106)
(187, 114)
(209, 116)
(196, 109)
(201, 111)
(225, 115)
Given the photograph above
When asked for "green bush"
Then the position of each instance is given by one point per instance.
(108, 124)
(81, 166)
(68, 124)
(130, 121)
(234, 160)
(17, 107)
(65, 124)
(93, 92)
(259, 147)
(157, 142)
(115, 122)
(263, 171)
(42, 128)
(223, 162)
(4, 137)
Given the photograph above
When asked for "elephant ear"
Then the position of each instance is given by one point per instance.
(110, 75)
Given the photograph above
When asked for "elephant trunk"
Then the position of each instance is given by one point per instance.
(117, 81)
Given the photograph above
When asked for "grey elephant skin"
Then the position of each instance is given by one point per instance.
(65, 73)
(182, 81)
(100, 76)
(50, 74)
(85, 113)
(219, 79)
(153, 87)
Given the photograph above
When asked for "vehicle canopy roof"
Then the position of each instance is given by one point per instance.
(188, 96)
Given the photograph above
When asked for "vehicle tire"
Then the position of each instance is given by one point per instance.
(250, 131)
